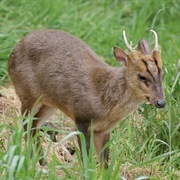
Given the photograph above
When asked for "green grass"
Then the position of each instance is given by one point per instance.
(153, 143)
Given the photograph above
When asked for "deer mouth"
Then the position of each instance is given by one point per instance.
(148, 99)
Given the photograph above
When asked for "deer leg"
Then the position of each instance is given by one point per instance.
(83, 127)
(100, 139)
(42, 112)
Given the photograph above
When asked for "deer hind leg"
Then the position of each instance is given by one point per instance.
(41, 113)
(100, 139)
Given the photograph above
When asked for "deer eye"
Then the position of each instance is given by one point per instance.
(141, 78)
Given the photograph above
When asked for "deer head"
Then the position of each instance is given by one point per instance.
(143, 71)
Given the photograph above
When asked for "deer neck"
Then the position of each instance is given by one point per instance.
(116, 96)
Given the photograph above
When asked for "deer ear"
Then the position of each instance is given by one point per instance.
(120, 55)
(144, 47)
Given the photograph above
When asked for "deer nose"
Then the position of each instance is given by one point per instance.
(160, 103)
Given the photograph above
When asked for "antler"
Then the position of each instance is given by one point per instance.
(156, 40)
(127, 44)
(156, 52)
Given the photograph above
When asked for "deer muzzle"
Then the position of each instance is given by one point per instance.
(160, 103)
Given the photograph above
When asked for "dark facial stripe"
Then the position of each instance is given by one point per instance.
(148, 69)
(159, 69)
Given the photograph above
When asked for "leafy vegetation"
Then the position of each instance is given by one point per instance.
(144, 146)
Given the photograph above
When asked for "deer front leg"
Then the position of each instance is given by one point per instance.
(83, 127)
(100, 139)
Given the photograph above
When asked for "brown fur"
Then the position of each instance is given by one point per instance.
(68, 75)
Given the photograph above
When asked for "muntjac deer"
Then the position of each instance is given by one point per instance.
(68, 75)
